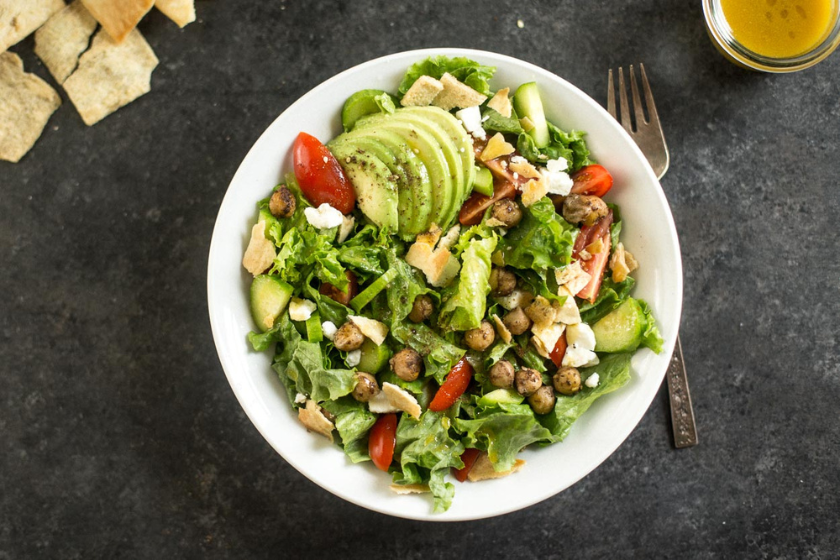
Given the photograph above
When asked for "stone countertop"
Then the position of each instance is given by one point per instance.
(122, 438)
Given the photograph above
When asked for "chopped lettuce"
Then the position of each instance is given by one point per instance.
(567, 145)
(651, 337)
(542, 241)
(503, 431)
(611, 295)
(352, 419)
(466, 300)
(439, 355)
(613, 373)
(465, 70)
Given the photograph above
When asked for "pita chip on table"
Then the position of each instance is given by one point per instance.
(63, 39)
(111, 75)
(119, 17)
(181, 12)
(19, 18)
(26, 103)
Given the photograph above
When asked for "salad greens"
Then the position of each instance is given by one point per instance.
(409, 350)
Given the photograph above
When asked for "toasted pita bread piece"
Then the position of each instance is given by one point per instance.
(26, 103)
(111, 76)
(19, 18)
(119, 17)
(315, 421)
(260, 252)
(63, 39)
(181, 12)
(410, 488)
(483, 469)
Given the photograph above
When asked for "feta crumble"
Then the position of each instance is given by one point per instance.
(471, 119)
(300, 398)
(592, 381)
(301, 309)
(329, 329)
(557, 165)
(353, 358)
(557, 182)
(324, 217)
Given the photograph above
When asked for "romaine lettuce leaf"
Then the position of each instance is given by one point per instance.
(352, 419)
(439, 355)
(610, 296)
(613, 373)
(465, 70)
(651, 337)
(542, 241)
(403, 290)
(503, 432)
(567, 145)
(467, 297)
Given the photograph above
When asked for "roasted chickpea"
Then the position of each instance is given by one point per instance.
(502, 374)
(422, 308)
(348, 337)
(527, 381)
(502, 281)
(516, 321)
(366, 387)
(334, 293)
(579, 208)
(507, 211)
(543, 400)
(407, 364)
(567, 381)
(480, 338)
(282, 203)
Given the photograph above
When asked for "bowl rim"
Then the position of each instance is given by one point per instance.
(417, 54)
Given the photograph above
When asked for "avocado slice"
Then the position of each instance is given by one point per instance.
(376, 189)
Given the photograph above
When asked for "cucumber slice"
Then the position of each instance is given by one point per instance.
(367, 295)
(360, 104)
(500, 396)
(314, 332)
(622, 329)
(269, 297)
(527, 103)
(374, 358)
(483, 181)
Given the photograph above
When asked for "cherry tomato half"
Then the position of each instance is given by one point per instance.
(469, 457)
(320, 176)
(559, 350)
(593, 180)
(457, 381)
(382, 440)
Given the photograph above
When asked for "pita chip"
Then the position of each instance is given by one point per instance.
(111, 75)
(181, 12)
(26, 103)
(483, 469)
(19, 18)
(63, 39)
(119, 17)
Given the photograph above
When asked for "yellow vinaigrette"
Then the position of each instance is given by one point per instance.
(780, 28)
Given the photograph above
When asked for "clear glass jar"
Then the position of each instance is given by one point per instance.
(724, 40)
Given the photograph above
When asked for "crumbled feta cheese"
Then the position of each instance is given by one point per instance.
(556, 165)
(592, 381)
(301, 309)
(326, 159)
(329, 329)
(576, 356)
(517, 298)
(324, 217)
(518, 160)
(353, 358)
(515, 175)
(300, 398)
(470, 118)
(557, 182)
(347, 223)
(581, 335)
(479, 133)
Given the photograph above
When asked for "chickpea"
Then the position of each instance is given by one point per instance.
(579, 208)
(366, 387)
(407, 364)
(422, 308)
(516, 321)
(543, 400)
(507, 211)
(502, 374)
(348, 337)
(567, 381)
(527, 381)
(282, 203)
(480, 338)
(502, 281)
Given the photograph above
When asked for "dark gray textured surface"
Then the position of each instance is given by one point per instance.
(121, 437)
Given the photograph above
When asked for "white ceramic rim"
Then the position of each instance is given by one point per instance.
(620, 433)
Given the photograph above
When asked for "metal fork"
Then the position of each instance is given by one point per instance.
(649, 137)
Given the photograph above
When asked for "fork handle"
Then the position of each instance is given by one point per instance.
(682, 414)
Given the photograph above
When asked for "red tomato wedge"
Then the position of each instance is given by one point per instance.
(559, 350)
(457, 381)
(593, 180)
(383, 439)
(469, 457)
(473, 209)
(596, 265)
(320, 176)
(332, 292)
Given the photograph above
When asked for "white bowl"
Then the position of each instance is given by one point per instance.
(648, 233)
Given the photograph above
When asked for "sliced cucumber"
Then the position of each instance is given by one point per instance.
(374, 358)
(360, 104)
(527, 103)
(500, 396)
(367, 295)
(622, 329)
(314, 332)
(483, 181)
(269, 297)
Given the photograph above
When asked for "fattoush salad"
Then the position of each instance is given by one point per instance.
(444, 283)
